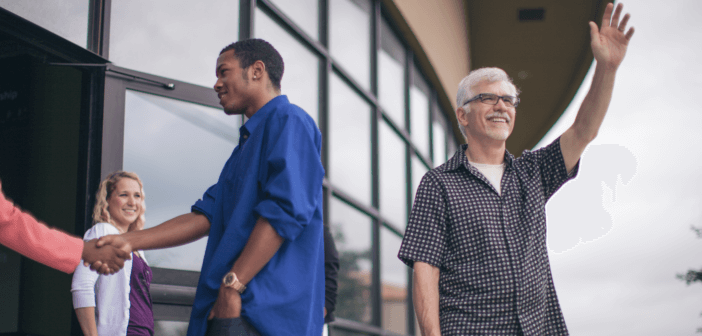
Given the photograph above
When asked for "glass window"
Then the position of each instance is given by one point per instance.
(393, 175)
(67, 18)
(419, 113)
(351, 230)
(349, 42)
(439, 130)
(394, 283)
(439, 143)
(418, 171)
(305, 14)
(178, 39)
(452, 146)
(178, 150)
(168, 328)
(301, 74)
(391, 76)
(349, 138)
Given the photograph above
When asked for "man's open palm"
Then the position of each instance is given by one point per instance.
(609, 43)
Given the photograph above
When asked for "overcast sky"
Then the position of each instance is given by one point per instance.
(620, 232)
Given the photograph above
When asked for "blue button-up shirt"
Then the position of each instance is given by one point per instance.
(275, 172)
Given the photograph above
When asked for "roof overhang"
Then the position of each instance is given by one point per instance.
(544, 46)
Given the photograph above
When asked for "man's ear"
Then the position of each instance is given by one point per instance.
(462, 116)
(258, 69)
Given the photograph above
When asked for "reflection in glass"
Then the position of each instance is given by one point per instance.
(178, 149)
(67, 18)
(419, 113)
(178, 39)
(170, 328)
(305, 14)
(349, 37)
(418, 171)
(393, 174)
(349, 138)
(439, 142)
(391, 88)
(351, 230)
(393, 275)
(301, 75)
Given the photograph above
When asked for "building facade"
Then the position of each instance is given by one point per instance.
(88, 87)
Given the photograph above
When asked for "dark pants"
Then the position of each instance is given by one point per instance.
(230, 327)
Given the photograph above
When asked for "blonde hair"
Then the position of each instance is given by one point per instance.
(107, 186)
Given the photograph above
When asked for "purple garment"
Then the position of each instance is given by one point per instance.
(141, 315)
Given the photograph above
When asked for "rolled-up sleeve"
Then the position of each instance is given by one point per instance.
(206, 205)
(291, 176)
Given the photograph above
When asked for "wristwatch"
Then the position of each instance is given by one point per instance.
(230, 280)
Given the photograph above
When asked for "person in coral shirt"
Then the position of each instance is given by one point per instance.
(24, 234)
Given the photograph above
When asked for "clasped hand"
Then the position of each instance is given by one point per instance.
(107, 254)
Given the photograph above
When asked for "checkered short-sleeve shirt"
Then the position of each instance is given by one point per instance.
(495, 277)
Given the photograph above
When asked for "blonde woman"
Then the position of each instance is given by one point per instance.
(118, 304)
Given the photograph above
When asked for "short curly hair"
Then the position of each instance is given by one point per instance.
(249, 51)
(101, 213)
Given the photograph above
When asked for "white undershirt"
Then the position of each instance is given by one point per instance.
(493, 173)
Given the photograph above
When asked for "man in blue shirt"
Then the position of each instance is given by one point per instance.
(264, 260)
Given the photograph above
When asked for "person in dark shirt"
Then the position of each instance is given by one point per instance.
(476, 236)
(331, 275)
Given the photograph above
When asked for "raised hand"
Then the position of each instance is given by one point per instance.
(104, 260)
(609, 43)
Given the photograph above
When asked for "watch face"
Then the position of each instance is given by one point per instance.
(229, 279)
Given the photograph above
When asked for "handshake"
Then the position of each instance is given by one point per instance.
(107, 254)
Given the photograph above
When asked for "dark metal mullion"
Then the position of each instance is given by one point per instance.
(447, 126)
(288, 25)
(90, 146)
(392, 227)
(324, 99)
(323, 108)
(89, 155)
(246, 19)
(113, 126)
(99, 14)
(425, 160)
(182, 90)
(367, 210)
(407, 139)
(355, 86)
(376, 287)
(432, 99)
(409, 311)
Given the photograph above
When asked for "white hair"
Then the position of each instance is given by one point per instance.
(475, 77)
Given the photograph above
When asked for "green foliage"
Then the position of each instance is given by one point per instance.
(693, 275)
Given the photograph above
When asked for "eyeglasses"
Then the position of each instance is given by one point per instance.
(493, 99)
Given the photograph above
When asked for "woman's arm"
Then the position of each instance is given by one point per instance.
(86, 318)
